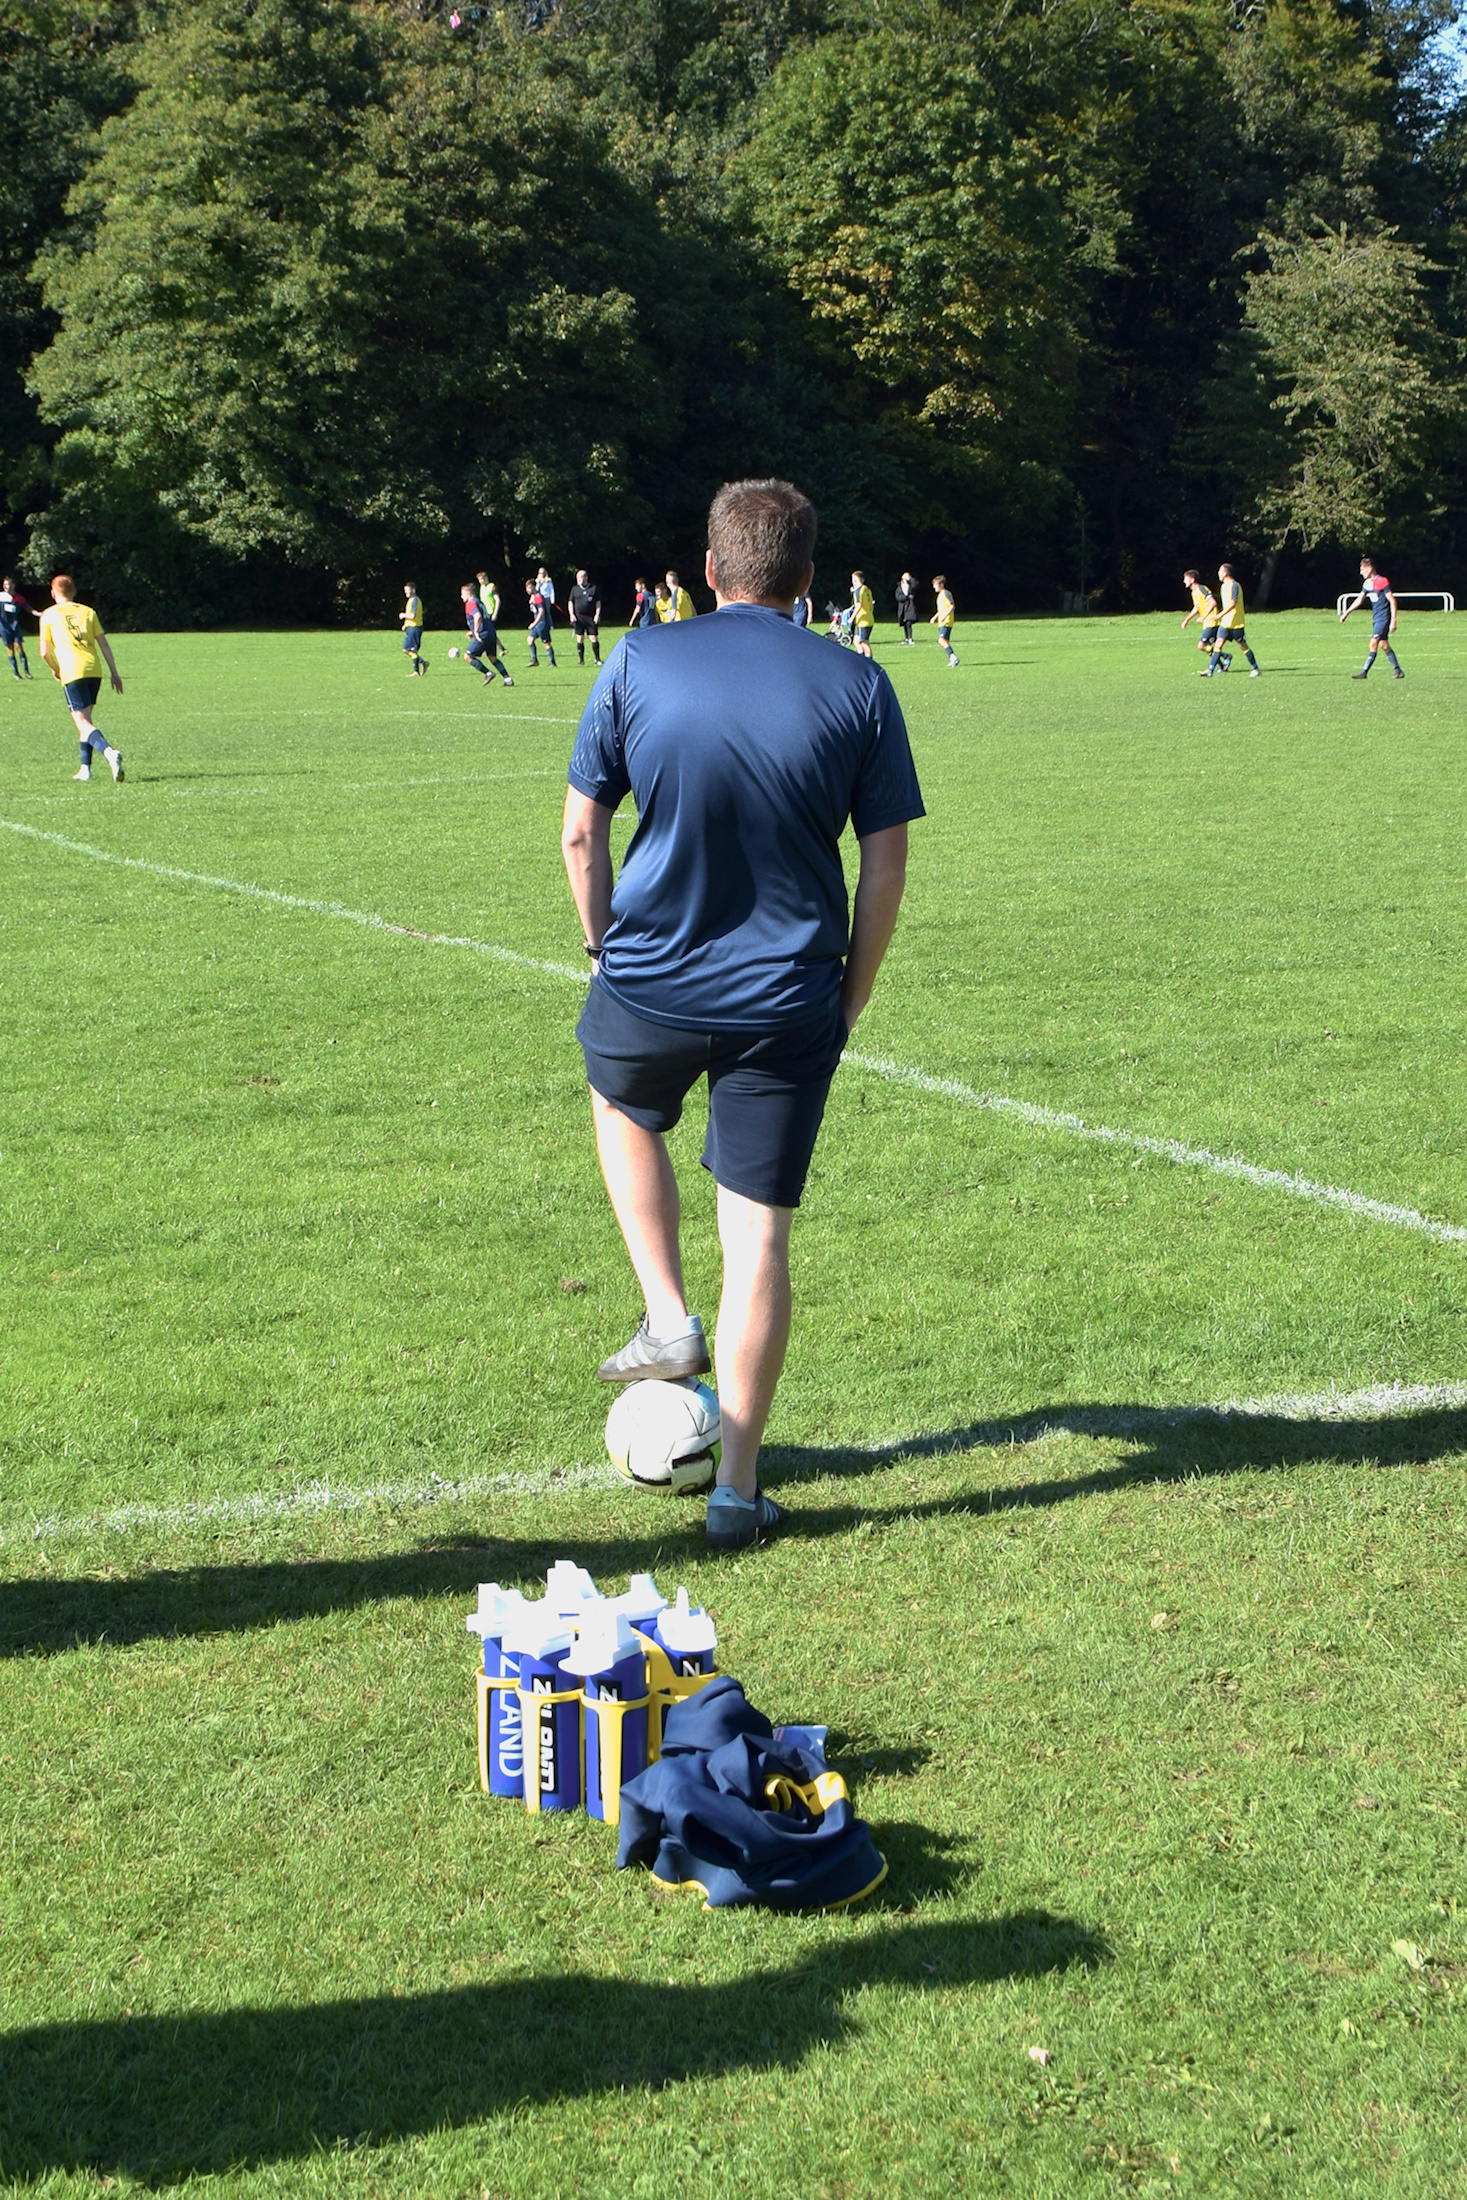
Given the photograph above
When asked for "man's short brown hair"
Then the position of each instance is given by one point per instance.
(761, 538)
(65, 585)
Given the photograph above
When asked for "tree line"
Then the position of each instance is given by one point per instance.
(300, 296)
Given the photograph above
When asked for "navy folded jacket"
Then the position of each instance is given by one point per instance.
(726, 1812)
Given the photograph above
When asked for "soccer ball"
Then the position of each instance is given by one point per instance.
(453, 653)
(665, 1436)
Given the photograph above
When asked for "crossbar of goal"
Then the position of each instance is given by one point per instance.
(1443, 596)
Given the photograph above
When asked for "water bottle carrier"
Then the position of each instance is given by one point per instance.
(532, 1702)
(664, 1688)
(609, 1713)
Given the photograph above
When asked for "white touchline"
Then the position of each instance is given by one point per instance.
(873, 1065)
(315, 1497)
(1164, 1149)
(295, 901)
(1118, 1423)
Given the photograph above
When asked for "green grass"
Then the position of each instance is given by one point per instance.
(1158, 1715)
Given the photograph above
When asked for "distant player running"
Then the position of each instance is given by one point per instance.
(76, 649)
(12, 607)
(483, 642)
(1206, 609)
(944, 616)
(1231, 629)
(585, 611)
(863, 613)
(1375, 590)
(542, 621)
(411, 618)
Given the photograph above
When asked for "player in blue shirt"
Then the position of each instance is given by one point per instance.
(12, 634)
(726, 946)
(1375, 590)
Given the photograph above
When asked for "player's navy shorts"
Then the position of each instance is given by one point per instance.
(1233, 634)
(1209, 636)
(766, 1090)
(863, 633)
(412, 637)
(9, 631)
(487, 643)
(81, 694)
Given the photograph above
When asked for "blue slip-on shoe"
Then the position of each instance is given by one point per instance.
(737, 1523)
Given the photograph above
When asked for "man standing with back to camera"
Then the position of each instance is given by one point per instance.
(725, 946)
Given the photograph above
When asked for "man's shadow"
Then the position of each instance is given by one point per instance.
(200, 2092)
(43, 1616)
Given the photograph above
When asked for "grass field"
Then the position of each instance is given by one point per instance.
(1157, 1708)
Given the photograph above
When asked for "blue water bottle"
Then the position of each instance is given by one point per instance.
(688, 1636)
(501, 1750)
(613, 1668)
(550, 1709)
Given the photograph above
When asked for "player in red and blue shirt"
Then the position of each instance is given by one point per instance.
(1375, 590)
(483, 639)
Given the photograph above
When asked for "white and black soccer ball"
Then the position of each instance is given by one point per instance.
(666, 1436)
(453, 653)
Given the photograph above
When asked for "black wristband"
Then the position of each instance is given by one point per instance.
(590, 950)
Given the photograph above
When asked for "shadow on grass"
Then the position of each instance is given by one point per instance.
(44, 1616)
(164, 2097)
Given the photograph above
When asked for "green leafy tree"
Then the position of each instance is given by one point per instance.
(926, 241)
(1365, 384)
(325, 300)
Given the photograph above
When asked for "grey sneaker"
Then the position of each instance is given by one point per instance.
(644, 1358)
(737, 1523)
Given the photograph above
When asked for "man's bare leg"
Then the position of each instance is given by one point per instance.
(643, 1192)
(753, 1329)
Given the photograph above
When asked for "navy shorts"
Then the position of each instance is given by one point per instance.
(81, 694)
(1209, 636)
(1236, 634)
(766, 1090)
(412, 637)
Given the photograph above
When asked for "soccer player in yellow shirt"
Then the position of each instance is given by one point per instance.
(863, 613)
(74, 646)
(680, 603)
(1204, 609)
(943, 617)
(411, 618)
(1232, 628)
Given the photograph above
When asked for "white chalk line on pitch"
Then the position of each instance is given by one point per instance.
(1295, 1185)
(295, 901)
(1163, 1149)
(1377, 1402)
(275, 790)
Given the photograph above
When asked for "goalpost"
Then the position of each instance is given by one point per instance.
(1443, 596)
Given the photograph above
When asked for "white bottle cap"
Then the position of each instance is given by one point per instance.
(569, 1588)
(642, 1601)
(684, 1632)
(537, 1632)
(496, 1608)
(605, 1638)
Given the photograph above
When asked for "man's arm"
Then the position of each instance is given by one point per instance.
(1391, 600)
(879, 889)
(106, 648)
(585, 843)
(48, 653)
(1191, 615)
(1355, 606)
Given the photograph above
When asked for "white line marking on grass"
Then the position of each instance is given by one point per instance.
(296, 901)
(1377, 1402)
(315, 1498)
(874, 1065)
(1164, 1149)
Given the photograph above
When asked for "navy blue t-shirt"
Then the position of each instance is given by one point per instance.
(746, 743)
